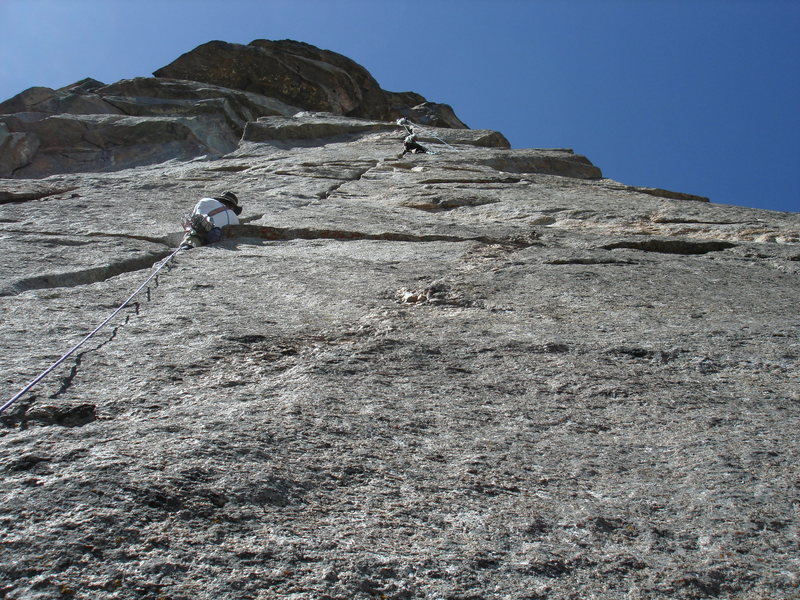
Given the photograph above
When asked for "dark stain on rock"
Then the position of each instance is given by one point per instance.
(64, 416)
(26, 462)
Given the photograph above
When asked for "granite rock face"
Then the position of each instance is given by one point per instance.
(481, 373)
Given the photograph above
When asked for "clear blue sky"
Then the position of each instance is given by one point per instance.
(697, 96)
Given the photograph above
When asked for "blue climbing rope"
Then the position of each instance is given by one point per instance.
(156, 268)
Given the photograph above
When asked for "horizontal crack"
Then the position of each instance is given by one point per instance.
(685, 247)
(278, 233)
(165, 240)
(658, 192)
(82, 276)
(12, 196)
(590, 261)
(683, 221)
(143, 238)
(485, 180)
(310, 176)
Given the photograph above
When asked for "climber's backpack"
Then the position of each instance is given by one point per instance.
(202, 226)
(201, 223)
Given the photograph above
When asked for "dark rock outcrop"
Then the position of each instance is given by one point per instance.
(77, 99)
(430, 113)
(304, 75)
(294, 72)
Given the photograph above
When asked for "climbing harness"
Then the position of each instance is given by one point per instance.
(156, 268)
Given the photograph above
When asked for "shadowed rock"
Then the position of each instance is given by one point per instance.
(304, 75)
(93, 127)
(293, 72)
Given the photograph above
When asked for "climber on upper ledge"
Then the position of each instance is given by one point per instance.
(410, 145)
(204, 224)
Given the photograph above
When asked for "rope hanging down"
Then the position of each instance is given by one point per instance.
(156, 268)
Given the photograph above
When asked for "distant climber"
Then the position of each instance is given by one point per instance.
(410, 145)
(204, 224)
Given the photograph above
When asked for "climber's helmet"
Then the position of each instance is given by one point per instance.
(230, 200)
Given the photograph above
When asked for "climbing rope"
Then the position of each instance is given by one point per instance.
(156, 268)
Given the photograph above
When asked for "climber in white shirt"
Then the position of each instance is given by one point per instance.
(410, 145)
(204, 224)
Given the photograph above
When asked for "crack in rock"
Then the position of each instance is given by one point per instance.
(279, 233)
(64, 416)
(83, 276)
(673, 246)
(18, 196)
(476, 181)
(68, 380)
(335, 188)
(686, 221)
(590, 261)
(165, 240)
(437, 204)
(657, 192)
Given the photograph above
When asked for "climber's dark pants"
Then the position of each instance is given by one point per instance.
(413, 147)
(196, 239)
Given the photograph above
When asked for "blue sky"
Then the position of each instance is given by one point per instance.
(697, 96)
